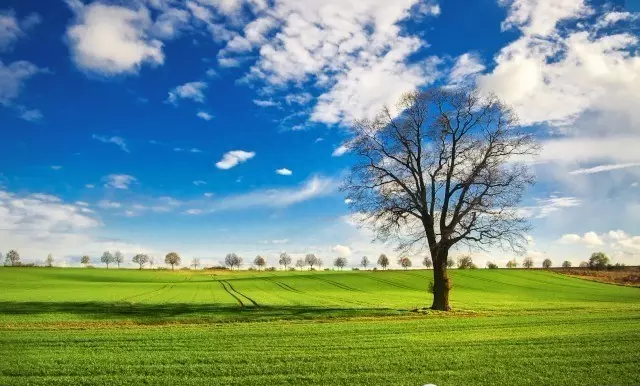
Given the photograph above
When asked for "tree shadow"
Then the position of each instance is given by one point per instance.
(172, 312)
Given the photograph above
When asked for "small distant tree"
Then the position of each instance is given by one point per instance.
(141, 259)
(172, 259)
(465, 262)
(583, 264)
(492, 265)
(195, 263)
(451, 263)
(364, 262)
(311, 260)
(49, 260)
(2, 257)
(404, 262)
(285, 260)
(300, 263)
(152, 261)
(259, 262)
(427, 262)
(383, 261)
(340, 262)
(118, 258)
(320, 263)
(85, 260)
(233, 260)
(512, 263)
(107, 258)
(527, 262)
(546, 264)
(598, 260)
(12, 258)
(566, 264)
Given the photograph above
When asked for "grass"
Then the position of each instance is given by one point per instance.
(119, 327)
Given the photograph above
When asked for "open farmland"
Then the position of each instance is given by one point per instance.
(524, 327)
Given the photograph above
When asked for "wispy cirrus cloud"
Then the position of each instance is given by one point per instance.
(604, 168)
(118, 141)
(190, 90)
(119, 181)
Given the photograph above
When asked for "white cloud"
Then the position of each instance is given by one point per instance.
(193, 211)
(195, 150)
(89, 186)
(82, 203)
(266, 103)
(199, 182)
(233, 158)
(208, 195)
(119, 181)
(348, 201)
(342, 250)
(118, 141)
(540, 17)
(190, 90)
(589, 239)
(315, 187)
(284, 172)
(340, 151)
(12, 29)
(56, 167)
(12, 79)
(355, 50)
(466, 66)
(33, 115)
(604, 168)
(204, 115)
(111, 39)
(106, 204)
(545, 207)
(300, 99)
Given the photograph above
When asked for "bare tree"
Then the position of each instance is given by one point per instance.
(404, 262)
(118, 258)
(233, 260)
(12, 258)
(172, 259)
(364, 262)
(466, 262)
(152, 261)
(443, 172)
(260, 262)
(311, 260)
(141, 259)
(427, 262)
(527, 262)
(49, 260)
(85, 260)
(451, 263)
(566, 264)
(107, 258)
(195, 263)
(319, 263)
(547, 264)
(300, 263)
(285, 260)
(340, 262)
(383, 261)
(512, 263)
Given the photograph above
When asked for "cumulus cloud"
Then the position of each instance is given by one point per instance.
(119, 181)
(233, 158)
(13, 78)
(106, 204)
(204, 115)
(342, 250)
(466, 67)
(190, 90)
(112, 39)
(118, 141)
(340, 151)
(284, 172)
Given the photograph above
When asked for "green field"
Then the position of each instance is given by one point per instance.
(510, 327)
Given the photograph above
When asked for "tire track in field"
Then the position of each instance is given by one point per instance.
(339, 285)
(224, 285)
(144, 293)
(284, 286)
(391, 283)
(241, 294)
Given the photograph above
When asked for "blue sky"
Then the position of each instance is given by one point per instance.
(217, 126)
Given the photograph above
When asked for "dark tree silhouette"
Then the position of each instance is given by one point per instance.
(444, 171)
(383, 261)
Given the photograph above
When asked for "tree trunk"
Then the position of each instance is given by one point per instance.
(441, 284)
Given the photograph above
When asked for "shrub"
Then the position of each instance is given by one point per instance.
(598, 260)
(355, 269)
(291, 269)
(465, 262)
(491, 265)
(566, 264)
(547, 264)
(270, 269)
